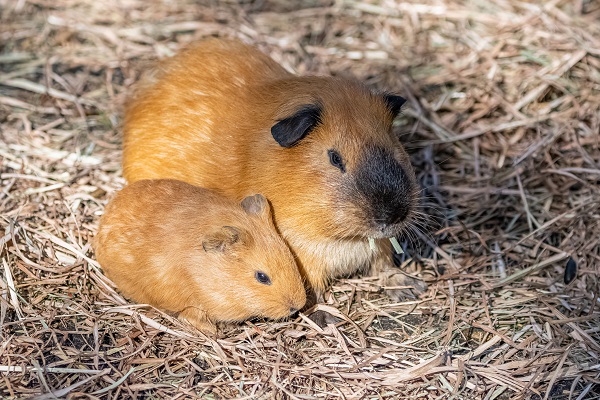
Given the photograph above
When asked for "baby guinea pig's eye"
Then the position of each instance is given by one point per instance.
(262, 278)
(336, 160)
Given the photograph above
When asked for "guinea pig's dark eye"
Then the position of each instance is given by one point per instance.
(262, 278)
(336, 160)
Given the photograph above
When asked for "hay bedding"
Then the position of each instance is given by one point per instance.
(503, 125)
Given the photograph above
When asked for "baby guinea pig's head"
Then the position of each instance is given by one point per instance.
(258, 276)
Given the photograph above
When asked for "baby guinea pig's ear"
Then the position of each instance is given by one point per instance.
(221, 240)
(289, 131)
(256, 205)
(394, 103)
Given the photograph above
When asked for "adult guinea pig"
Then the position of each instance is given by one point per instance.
(191, 251)
(223, 115)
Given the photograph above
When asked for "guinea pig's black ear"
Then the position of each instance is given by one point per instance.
(256, 205)
(289, 131)
(222, 239)
(394, 103)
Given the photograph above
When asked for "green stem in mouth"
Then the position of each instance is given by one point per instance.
(396, 245)
(372, 244)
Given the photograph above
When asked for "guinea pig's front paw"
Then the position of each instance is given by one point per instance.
(199, 320)
(401, 287)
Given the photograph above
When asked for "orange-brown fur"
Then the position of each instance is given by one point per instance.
(204, 117)
(154, 242)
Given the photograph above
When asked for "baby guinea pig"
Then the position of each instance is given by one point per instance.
(225, 116)
(191, 251)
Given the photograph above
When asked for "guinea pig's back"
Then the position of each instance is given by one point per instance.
(146, 231)
(175, 111)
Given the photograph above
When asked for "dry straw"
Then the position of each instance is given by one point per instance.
(502, 122)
